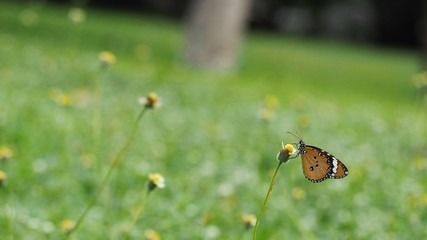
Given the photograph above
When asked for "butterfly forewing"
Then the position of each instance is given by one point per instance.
(340, 169)
(315, 164)
(319, 165)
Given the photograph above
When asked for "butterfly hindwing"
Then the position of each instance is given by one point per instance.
(319, 165)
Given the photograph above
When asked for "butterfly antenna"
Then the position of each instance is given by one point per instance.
(295, 135)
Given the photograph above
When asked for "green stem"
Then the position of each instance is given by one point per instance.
(137, 214)
(6, 213)
(267, 197)
(97, 114)
(116, 161)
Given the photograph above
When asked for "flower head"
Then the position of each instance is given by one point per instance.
(150, 101)
(67, 225)
(150, 234)
(266, 114)
(2, 178)
(77, 15)
(249, 220)
(287, 151)
(298, 193)
(65, 100)
(107, 58)
(271, 102)
(5, 153)
(420, 162)
(155, 181)
(304, 121)
(61, 98)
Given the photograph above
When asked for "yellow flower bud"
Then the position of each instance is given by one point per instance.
(287, 151)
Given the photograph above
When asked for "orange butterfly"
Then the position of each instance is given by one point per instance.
(319, 165)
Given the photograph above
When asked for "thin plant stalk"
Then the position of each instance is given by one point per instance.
(137, 214)
(6, 214)
(267, 197)
(67, 138)
(116, 161)
(97, 114)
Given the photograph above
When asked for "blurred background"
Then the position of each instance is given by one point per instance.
(395, 23)
(233, 76)
(390, 23)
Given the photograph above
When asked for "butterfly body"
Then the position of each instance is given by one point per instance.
(319, 165)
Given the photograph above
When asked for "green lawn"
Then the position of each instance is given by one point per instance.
(207, 139)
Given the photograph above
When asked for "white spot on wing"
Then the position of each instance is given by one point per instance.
(334, 166)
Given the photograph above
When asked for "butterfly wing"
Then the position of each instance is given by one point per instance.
(315, 167)
(339, 170)
(319, 165)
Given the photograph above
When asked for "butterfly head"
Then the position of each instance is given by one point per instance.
(301, 147)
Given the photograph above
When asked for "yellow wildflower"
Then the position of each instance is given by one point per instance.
(271, 102)
(298, 193)
(155, 181)
(67, 225)
(61, 98)
(249, 220)
(65, 100)
(420, 163)
(287, 151)
(151, 235)
(150, 101)
(77, 15)
(266, 114)
(304, 121)
(424, 199)
(107, 58)
(5, 153)
(2, 178)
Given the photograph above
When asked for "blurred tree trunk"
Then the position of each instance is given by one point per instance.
(214, 30)
(424, 37)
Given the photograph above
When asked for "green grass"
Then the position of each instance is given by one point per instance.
(207, 139)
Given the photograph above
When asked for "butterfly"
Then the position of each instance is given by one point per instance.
(319, 165)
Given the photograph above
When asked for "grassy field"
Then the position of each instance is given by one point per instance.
(65, 118)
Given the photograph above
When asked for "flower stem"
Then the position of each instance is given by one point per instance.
(97, 113)
(6, 214)
(138, 213)
(116, 161)
(267, 197)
